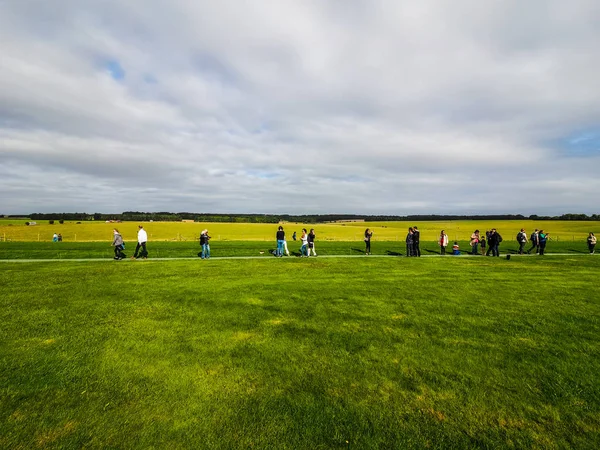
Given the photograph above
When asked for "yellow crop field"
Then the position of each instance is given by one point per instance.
(349, 231)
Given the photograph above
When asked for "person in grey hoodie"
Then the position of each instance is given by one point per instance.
(118, 244)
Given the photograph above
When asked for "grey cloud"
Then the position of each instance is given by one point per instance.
(378, 107)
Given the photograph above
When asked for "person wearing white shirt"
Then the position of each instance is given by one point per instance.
(142, 239)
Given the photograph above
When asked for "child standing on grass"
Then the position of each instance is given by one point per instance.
(482, 242)
(455, 249)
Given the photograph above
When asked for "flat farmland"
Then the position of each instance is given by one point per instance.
(352, 231)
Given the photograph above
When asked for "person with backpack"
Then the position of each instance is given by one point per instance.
(522, 240)
(204, 238)
(542, 238)
(535, 242)
(119, 245)
(494, 242)
(416, 241)
(280, 235)
(409, 242)
(443, 242)
(368, 236)
(591, 242)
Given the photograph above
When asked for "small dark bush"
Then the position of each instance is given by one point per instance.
(51, 222)
(26, 223)
(61, 221)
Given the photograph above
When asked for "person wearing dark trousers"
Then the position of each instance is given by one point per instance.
(494, 242)
(311, 242)
(280, 240)
(488, 234)
(416, 242)
(542, 239)
(119, 245)
(368, 236)
(522, 240)
(409, 242)
(475, 243)
(443, 242)
(591, 242)
(142, 239)
(535, 241)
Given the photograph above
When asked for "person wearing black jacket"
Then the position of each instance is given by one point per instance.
(311, 242)
(204, 238)
(409, 242)
(280, 240)
(494, 241)
(416, 239)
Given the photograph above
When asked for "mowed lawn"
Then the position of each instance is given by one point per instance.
(295, 353)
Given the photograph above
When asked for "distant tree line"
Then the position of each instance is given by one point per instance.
(137, 216)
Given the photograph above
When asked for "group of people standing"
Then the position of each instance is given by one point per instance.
(413, 242)
(307, 240)
(119, 245)
(490, 242)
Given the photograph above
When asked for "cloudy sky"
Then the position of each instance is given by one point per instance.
(287, 106)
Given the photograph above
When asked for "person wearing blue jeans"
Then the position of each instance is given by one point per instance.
(204, 238)
(280, 241)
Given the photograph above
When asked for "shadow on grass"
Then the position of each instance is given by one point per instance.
(358, 250)
(433, 251)
(391, 253)
(577, 251)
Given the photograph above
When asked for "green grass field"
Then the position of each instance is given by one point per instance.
(570, 231)
(291, 353)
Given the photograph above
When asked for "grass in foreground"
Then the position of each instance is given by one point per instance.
(388, 353)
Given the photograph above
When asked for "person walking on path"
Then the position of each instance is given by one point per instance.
(368, 236)
(542, 239)
(204, 238)
(142, 240)
(311, 242)
(494, 242)
(475, 243)
(416, 241)
(591, 242)
(535, 241)
(280, 240)
(119, 245)
(443, 242)
(409, 242)
(304, 240)
(522, 240)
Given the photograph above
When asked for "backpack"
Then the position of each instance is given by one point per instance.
(499, 238)
(519, 237)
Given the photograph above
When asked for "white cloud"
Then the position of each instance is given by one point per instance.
(375, 107)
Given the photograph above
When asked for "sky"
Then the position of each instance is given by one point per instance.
(300, 107)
